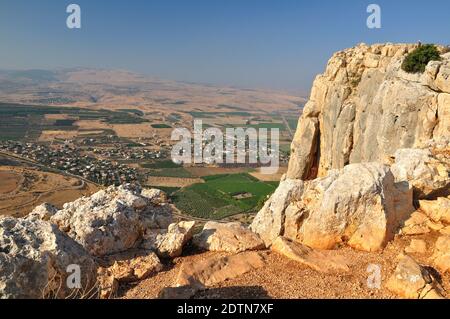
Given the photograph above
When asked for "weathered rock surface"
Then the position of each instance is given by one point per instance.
(445, 230)
(43, 212)
(426, 173)
(130, 266)
(359, 205)
(365, 107)
(107, 283)
(34, 261)
(417, 246)
(112, 220)
(412, 281)
(438, 210)
(441, 256)
(417, 224)
(321, 261)
(230, 237)
(305, 147)
(214, 270)
(269, 222)
(170, 243)
(155, 196)
(134, 265)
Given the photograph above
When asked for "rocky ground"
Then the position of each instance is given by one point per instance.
(285, 278)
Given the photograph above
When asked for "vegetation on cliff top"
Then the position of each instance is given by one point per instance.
(417, 60)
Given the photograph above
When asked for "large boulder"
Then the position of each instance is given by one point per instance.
(36, 260)
(214, 270)
(270, 221)
(230, 237)
(360, 205)
(429, 175)
(112, 220)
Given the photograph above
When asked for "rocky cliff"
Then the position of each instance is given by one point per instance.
(365, 107)
(371, 141)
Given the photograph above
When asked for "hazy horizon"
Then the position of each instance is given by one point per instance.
(278, 45)
(162, 79)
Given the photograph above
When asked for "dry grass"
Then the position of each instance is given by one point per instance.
(35, 187)
(156, 181)
(48, 136)
(270, 177)
(9, 181)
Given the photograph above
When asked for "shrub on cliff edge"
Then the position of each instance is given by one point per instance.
(418, 59)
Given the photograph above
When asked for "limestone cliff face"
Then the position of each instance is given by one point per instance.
(371, 139)
(365, 107)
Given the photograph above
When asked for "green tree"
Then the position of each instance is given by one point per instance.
(417, 60)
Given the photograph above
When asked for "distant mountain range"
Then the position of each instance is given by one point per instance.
(114, 89)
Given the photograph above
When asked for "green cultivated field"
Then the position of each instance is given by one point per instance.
(214, 198)
(179, 172)
(26, 122)
(160, 164)
(166, 168)
(161, 125)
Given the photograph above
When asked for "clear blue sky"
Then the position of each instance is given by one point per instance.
(279, 44)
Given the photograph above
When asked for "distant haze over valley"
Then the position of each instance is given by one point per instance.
(115, 89)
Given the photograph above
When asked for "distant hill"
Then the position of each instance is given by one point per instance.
(119, 89)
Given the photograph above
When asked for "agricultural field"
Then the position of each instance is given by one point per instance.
(221, 196)
(199, 171)
(164, 181)
(163, 164)
(29, 122)
(161, 125)
(167, 168)
(179, 172)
